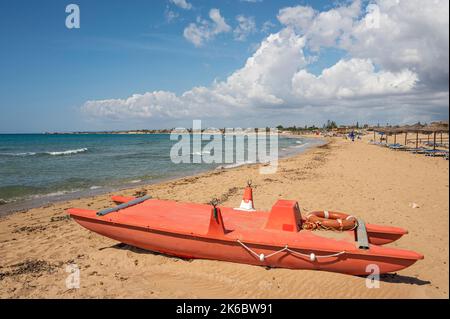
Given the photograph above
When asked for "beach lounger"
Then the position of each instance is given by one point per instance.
(419, 150)
(431, 144)
(436, 153)
(397, 146)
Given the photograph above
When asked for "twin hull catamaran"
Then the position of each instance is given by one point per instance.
(277, 238)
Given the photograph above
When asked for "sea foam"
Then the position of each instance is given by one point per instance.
(54, 153)
(68, 152)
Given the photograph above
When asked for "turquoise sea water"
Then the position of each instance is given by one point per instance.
(39, 165)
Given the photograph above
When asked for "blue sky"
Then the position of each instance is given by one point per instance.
(122, 48)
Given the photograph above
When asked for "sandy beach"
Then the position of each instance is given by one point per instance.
(377, 184)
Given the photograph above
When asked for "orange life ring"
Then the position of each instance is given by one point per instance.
(330, 220)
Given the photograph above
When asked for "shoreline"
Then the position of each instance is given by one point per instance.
(374, 183)
(20, 205)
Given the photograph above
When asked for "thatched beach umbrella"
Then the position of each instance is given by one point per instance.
(406, 137)
(376, 130)
(389, 131)
(416, 128)
(440, 127)
(382, 131)
(403, 130)
(435, 128)
(395, 131)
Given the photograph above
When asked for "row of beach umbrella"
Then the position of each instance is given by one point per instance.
(430, 130)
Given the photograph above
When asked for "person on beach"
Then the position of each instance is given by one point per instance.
(352, 135)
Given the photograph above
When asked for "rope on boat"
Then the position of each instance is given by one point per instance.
(319, 226)
(311, 256)
(326, 220)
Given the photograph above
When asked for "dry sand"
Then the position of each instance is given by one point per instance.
(374, 183)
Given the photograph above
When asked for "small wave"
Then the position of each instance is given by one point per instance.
(54, 194)
(235, 165)
(200, 153)
(94, 187)
(299, 142)
(303, 145)
(68, 152)
(18, 154)
(135, 181)
(56, 153)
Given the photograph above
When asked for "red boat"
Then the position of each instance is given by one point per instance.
(273, 239)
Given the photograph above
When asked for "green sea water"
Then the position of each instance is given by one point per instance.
(45, 165)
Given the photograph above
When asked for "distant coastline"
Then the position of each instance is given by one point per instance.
(147, 131)
(164, 131)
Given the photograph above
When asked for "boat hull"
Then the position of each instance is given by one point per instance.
(225, 249)
(377, 234)
(383, 237)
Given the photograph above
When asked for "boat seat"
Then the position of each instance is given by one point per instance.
(284, 215)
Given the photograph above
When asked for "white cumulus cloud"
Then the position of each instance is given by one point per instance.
(322, 29)
(349, 79)
(246, 26)
(267, 26)
(204, 30)
(182, 4)
(408, 34)
(396, 67)
(299, 17)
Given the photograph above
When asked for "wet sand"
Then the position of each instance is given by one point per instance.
(372, 182)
